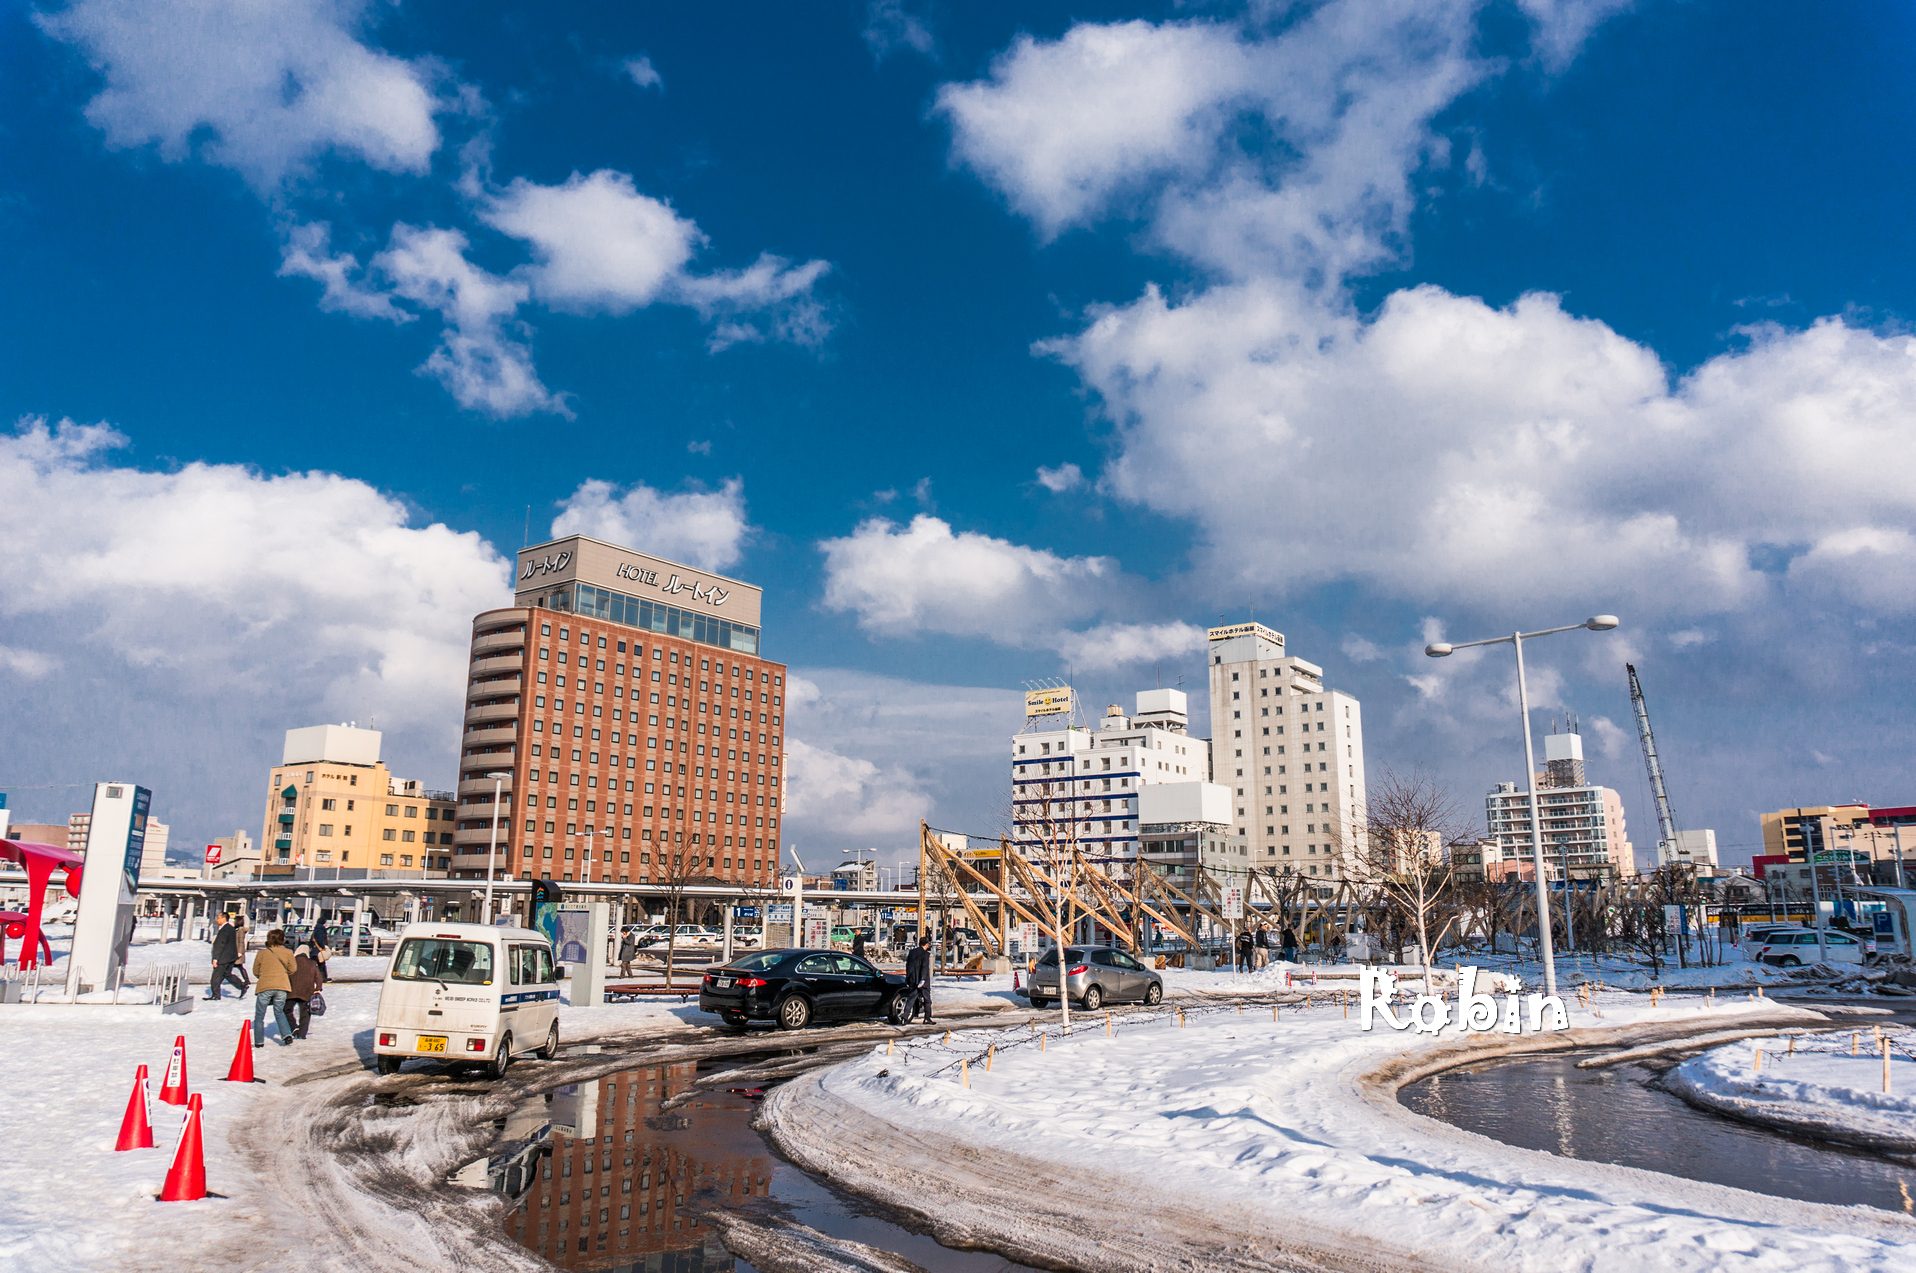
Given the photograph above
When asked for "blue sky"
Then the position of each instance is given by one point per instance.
(996, 342)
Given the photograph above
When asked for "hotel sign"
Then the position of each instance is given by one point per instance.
(1047, 702)
(582, 559)
(1244, 629)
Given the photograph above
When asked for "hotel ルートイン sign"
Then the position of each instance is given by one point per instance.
(554, 563)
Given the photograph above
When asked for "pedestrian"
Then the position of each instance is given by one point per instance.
(1287, 943)
(320, 955)
(628, 949)
(1261, 947)
(319, 942)
(225, 955)
(918, 980)
(306, 982)
(858, 943)
(1244, 946)
(273, 970)
(239, 945)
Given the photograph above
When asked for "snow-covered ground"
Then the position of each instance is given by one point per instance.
(1820, 1089)
(1242, 1119)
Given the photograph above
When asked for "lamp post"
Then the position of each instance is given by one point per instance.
(498, 777)
(1438, 650)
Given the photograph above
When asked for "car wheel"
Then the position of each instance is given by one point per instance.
(551, 1049)
(389, 1064)
(733, 1018)
(1036, 1002)
(1153, 995)
(1093, 998)
(895, 1010)
(1790, 961)
(795, 1013)
(502, 1059)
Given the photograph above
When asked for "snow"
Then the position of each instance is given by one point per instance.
(1820, 1089)
(1235, 1112)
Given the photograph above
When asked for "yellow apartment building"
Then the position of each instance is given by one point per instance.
(332, 805)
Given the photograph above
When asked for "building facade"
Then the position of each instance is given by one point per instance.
(1074, 785)
(638, 732)
(1291, 751)
(1584, 833)
(332, 804)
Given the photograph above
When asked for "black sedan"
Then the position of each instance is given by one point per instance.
(797, 987)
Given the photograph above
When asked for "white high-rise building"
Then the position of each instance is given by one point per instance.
(1584, 832)
(1074, 784)
(1291, 752)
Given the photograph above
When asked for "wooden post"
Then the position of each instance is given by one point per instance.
(924, 834)
(888, 1043)
(1854, 1036)
(1885, 1043)
(990, 1054)
(964, 1071)
(1759, 1058)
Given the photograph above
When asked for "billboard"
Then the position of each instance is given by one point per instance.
(213, 852)
(1047, 702)
(103, 927)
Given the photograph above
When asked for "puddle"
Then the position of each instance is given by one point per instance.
(602, 1178)
(1616, 1116)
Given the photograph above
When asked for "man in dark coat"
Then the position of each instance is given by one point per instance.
(1287, 943)
(319, 932)
(225, 955)
(918, 980)
(1244, 951)
(858, 943)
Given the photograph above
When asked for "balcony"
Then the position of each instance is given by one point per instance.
(286, 819)
(513, 662)
(489, 762)
(492, 712)
(490, 735)
(479, 837)
(474, 785)
(495, 687)
(482, 643)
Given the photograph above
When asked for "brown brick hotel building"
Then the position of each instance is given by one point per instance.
(635, 733)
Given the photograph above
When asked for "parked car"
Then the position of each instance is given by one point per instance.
(1094, 976)
(797, 987)
(689, 935)
(1755, 936)
(468, 992)
(1794, 949)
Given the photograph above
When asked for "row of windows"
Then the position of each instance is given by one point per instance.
(637, 612)
(390, 833)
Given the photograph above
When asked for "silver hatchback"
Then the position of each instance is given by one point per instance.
(1094, 976)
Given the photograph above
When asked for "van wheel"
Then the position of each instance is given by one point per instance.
(551, 1049)
(794, 1014)
(1093, 998)
(388, 1064)
(496, 1068)
(1790, 961)
(1153, 995)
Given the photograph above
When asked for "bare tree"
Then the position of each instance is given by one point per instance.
(1408, 824)
(683, 870)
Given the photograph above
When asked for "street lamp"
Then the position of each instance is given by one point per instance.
(1439, 649)
(498, 777)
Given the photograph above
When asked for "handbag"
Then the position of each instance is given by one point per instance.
(317, 1004)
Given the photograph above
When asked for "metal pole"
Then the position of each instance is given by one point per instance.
(1899, 855)
(1536, 826)
(492, 853)
(1816, 904)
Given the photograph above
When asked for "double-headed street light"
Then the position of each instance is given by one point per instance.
(492, 850)
(1437, 650)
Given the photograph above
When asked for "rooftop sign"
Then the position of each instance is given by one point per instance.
(582, 559)
(1245, 629)
(1047, 702)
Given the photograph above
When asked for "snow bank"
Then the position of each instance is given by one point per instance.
(1273, 1133)
(1820, 1090)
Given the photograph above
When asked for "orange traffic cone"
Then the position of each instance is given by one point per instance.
(136, 1129)
(173, 1091)
(242, 1067)
(186, 1178)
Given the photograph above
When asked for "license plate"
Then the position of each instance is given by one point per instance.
(724, 983)
(432, 1043)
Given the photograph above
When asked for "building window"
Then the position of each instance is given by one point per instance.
(392, 810)
(388, 834)
(385, 859)
(328, 804)
(407, 837)
(325, 828)
(412, 810)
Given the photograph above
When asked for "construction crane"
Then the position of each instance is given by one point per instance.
(1666, 821)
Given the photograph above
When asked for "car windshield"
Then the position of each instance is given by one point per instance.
(444, 959)
(759, 962)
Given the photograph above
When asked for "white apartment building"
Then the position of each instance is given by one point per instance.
(1291, 752)
(1071, 783)
(1184, 825)
(1583, 825)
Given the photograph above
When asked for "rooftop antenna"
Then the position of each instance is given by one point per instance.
(528, 535)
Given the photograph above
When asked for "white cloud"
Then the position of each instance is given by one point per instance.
(923, 577)
(265, 89)
(643, 73)
(1123, 645)
(1360, 650)
(1612, 739)
(1562, 26)
(598, 244)
(483, 357)
(308, 253)
(706, 529)
(890, 27)
(1690, 638)
(202, 611)
(1064, 478)
(850, 796)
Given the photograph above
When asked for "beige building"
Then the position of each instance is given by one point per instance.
(639, 732)
(239, 858)
(331, 804)
(1791, 832)
(1584, 832)
(1291, 752)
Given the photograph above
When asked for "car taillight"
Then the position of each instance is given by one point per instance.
(475, 1045)
(711, 976)
(751, 982)
(388, 1040)
(1075, 971)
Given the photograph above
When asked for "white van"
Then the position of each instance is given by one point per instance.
(468, 992)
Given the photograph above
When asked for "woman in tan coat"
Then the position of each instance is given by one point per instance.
(273, 970)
